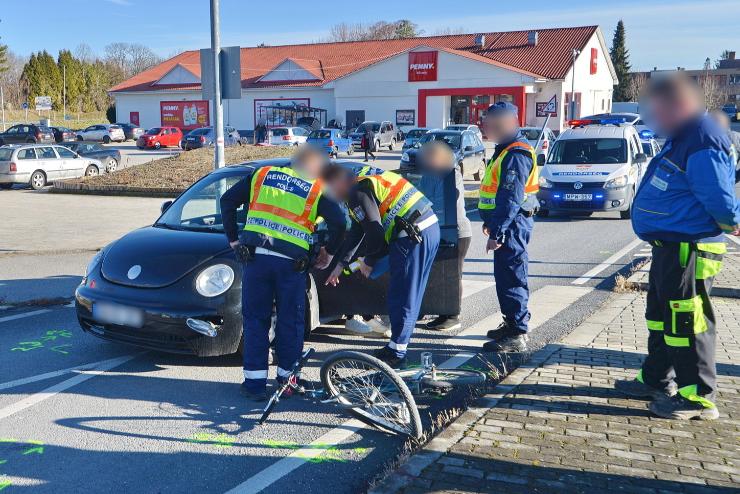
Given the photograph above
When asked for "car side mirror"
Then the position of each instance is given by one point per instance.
(165, 206)
(468, 149)
(540, 160)
(641, 158)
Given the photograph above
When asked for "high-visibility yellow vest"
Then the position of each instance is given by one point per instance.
(492, 178)
(368, 170)
(283, 206)
(396, 195)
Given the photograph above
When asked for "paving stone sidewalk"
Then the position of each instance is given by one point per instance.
(556, 425)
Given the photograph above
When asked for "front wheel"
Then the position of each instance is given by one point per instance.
(157, 145)
(447, 378)
(91, 171)
(371, 391)
(79, 138)
(627, 213)
(477, 176)
(106, 139)
(351, 150)
(111, 166)
(391, 145)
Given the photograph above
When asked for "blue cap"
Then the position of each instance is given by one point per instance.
(501, 108)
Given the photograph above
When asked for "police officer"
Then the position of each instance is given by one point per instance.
(283, 205)
(393, 218)
(507, 204)
(685, 203)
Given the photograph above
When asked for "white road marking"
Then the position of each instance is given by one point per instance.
(471, 287)
(280, 469)
(609, 262)
(24, 315)
(734, 239)
(62, 386)
(53, 374)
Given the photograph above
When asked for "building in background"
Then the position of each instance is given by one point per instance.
(424, 81)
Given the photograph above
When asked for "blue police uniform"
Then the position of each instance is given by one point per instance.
(685, 202)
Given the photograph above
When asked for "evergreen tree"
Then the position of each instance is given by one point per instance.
(3, 58)
(42, 77)
(620, 60)
(74, 76)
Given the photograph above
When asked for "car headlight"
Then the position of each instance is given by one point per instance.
(617, 182)
(214, 280)
(545, 183)
(405, 157)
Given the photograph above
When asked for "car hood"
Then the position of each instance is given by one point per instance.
(163, 256)
(580, 173)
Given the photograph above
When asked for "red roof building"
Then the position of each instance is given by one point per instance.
(424, 81)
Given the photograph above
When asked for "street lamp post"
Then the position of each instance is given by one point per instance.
(218, 117)
(572, 112)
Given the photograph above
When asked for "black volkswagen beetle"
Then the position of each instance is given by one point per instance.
(175, 286)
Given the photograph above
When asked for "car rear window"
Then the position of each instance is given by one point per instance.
(5, 154)
(320, 134)
(200, 132)
(154, 130)
(588, 152)
(27, 154)
(115, 127)
(416, 133)
(280, 132)
(531, 134)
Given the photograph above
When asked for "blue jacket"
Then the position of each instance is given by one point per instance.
(515, 171)
(688, 191)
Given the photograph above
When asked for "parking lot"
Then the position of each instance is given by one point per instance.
(75, 408)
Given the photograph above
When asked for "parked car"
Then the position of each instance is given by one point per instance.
(650, 147)
(412, 136)
(109, 158)
(333, 141)
(26, 133)
(385, 134)
(469, 150)
(102, 132)
(131, 131)
(39, 164)
(732, 111)
(63, 134)
(308, 123)
(166, 285)
(533, 135)
(471, 127)
(288, 136)
(206, 137)
(159, 137)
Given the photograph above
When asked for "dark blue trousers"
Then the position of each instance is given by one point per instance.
(510, 270)
(410, 265)
(267, 281)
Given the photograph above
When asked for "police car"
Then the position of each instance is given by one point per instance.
(596, 165)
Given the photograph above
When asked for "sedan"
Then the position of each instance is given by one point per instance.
(469, 151)
(63, 134)
(176, 285)
(109, 157)
(206, 137)
(413, 136)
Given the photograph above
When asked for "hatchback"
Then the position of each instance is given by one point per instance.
(159, 137)
(288, 136)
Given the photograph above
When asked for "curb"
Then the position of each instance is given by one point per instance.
(582, 335)
(65, 187)
(639, 279)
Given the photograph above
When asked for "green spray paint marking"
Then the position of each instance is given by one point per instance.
(2, 462)
(4, 484)
(222, 440)
(329, 453)
(52, 335)
(38, 449)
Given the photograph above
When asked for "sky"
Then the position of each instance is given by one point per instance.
(660, 33)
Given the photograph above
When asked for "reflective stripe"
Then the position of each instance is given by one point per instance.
(277, 227)
(282, 372)
(712, 247)
(675, 341)
(655, 325)
(255, 374)
(638, 377)
(396, 196)
(709, 259)
(690, 393)
(401, 347)
(683, 254)
(707, 268)
(492, 177)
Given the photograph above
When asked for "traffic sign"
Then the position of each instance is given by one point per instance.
(24, 105)
(43, 103)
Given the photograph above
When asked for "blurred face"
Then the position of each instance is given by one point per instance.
(500, 126)
(437, 158)
(309, 164)
(669, 114)
(339, 186)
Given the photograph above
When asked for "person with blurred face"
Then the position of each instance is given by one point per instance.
(723, 120)
(282, 206)
(685, 203)
(507, 205)
(438, 166)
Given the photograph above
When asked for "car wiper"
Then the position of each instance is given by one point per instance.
(167, 226)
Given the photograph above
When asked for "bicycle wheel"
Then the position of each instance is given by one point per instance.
(447, 378)
(372, 392)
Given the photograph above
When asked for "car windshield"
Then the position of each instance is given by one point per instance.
(416, 133)
(200, 132)
(452, 140)
(5, 154)
(198, 209)
(588, 152)
(374, 126)
(320, 134)
(154, 130)
(531, 134)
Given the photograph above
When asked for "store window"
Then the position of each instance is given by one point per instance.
(460, 109)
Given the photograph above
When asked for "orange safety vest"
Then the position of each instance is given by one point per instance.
(492, 177)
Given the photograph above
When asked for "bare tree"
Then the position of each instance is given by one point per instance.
(449, 31)
(712, 90)
(637, 83)
(129, 58)
(84, 53)
(14, 91)
(400, 29)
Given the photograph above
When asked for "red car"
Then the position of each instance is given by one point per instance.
(160, 137)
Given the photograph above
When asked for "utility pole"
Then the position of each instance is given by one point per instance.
(2, 103)
(572, 115)
(218, 117)
(64, 92)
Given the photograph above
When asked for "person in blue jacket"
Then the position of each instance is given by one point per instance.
(684, 205)
(507, 204)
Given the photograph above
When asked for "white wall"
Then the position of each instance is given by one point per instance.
(596, 90)
(147, 104)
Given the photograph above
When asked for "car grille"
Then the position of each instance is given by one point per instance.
(586, 185)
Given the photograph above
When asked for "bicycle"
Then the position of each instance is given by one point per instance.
(371, 391)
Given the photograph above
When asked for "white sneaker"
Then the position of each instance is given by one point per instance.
(380, 325)
(357, 326)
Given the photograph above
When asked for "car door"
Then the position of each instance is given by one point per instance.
(11, 135)
(27, 162)
(49, 162)
(470, 157)
(70, 164)
(359, 295)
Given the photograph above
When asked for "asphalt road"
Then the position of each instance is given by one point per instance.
(148, 422)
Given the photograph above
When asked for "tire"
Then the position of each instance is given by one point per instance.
(462, 169)
(111, 166)
(6, 186)
(38, 180)
(543, 213)
(401, 414)
(376, 146)
(448, 378)
(157, 145)
(627, 214)
(392, 145)
(478, 176)
(351, 150)
(92, 171)
(106, 139)
(79, 138)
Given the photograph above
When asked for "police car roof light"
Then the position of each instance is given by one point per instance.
(581, 122)
(591, 121)
(646, 134)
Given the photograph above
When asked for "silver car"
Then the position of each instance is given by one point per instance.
(39, 164)
(102, 132)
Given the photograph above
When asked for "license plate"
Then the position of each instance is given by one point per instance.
(118, 315)
(578, 197)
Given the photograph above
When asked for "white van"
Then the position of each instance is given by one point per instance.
(595, 166)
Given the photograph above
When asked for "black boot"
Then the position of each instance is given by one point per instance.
(515, 343)
(389, 357)
(502, 331)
